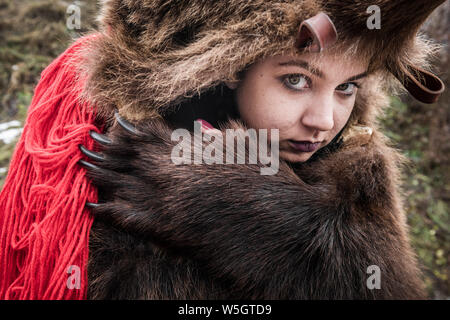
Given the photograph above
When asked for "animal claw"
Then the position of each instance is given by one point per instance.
(92, 205)
(88, 165)
(125, 124)
(100, 138)
(91, 154)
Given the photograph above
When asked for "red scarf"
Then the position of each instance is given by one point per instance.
(44, 226)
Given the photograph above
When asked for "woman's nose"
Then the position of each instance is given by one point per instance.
(319, 114)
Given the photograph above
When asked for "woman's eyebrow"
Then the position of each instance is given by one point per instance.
(358, 76)
(304, 65)
(316, 71)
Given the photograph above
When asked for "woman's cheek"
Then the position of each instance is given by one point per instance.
(259, 109)
(342, 114)
(280, 109)
(278, 114)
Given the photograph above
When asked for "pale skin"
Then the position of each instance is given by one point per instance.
(307, 97)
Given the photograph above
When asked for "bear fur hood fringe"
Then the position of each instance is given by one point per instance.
(155, 54)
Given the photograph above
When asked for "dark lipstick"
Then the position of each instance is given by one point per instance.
(304, 146)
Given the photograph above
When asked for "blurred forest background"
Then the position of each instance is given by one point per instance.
(34, 32)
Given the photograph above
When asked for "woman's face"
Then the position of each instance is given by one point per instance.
(308, 98)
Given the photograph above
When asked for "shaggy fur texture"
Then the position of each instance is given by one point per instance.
(225, 231)
(156, 53)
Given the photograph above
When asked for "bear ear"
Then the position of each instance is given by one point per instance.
(421, 84)
(394, 44)
(316, 33)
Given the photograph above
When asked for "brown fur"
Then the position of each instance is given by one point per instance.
(204, 232)
(154, 54)
(225, 231)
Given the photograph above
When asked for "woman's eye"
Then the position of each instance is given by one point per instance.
(347, 89)
(296, 81)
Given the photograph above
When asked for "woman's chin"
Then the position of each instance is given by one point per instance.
(295, 157)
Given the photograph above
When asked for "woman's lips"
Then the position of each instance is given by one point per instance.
(304, 146)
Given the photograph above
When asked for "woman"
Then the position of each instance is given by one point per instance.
(313, 230)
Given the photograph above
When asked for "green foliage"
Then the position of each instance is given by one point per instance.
(426, 188)
(32, 34)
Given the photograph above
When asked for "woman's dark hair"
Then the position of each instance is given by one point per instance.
(215, 105)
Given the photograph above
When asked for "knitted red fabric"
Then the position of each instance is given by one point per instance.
(44, 226)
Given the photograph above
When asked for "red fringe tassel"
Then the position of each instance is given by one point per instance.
(44, 226)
